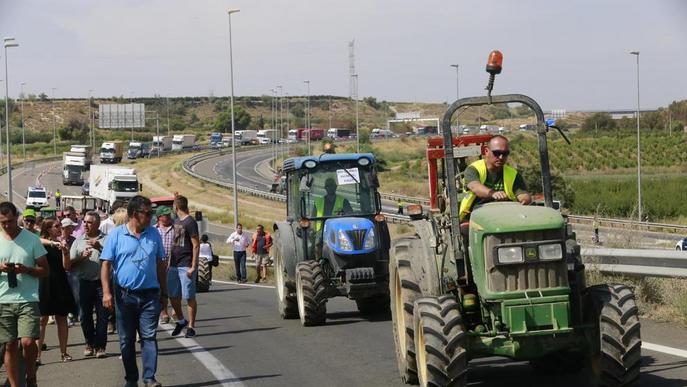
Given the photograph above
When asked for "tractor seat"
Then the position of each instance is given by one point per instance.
(465, 228)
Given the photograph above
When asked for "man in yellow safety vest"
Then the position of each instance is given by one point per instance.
(330, 204)
(491, 179)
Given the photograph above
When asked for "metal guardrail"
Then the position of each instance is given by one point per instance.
(635, 262)
(630, 224)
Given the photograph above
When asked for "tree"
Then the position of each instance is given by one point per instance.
(599, 121)
(241, 120)
(561, 190)
(371, 102)
(651, 120)
(364, 136)
(43, 97)
(499, 111)
(261, 122)
(76, 130)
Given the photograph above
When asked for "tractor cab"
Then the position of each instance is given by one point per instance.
(333, 229)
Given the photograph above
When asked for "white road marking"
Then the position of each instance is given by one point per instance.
(223, 375)
(249, 285)
(664, 349)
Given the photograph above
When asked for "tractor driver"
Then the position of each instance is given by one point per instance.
(331, 203)
(491, 179)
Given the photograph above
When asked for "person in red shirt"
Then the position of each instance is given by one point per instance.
(262, 241)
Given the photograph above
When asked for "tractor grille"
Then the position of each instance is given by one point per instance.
(357, 237)
(530, 275)
(289, 165)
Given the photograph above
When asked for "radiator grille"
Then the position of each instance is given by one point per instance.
(357, 237)
(527, 276)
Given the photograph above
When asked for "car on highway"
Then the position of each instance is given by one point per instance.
(681, 245)
(85, 188)
(264, 141)
(37, 197)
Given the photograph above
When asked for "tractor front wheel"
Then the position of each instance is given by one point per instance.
(311, 293)
(440, 341)
(204, 279)
(616, 341)
(286, 300)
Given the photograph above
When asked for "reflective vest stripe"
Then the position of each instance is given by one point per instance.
(319, 206)
(509, 174)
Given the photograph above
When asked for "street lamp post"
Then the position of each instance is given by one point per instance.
(307, 114)
(168, 131)
(54, 123)
(233, 138)
(357, 120)
(639, 160)
(9, 42)
(23, 130)
(92, 118)
(457, 90)
(280, 122)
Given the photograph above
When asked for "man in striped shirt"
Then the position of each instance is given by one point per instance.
(165, 226)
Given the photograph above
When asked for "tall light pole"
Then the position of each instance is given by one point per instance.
(357, 120)
(92, 118)
(307, 114)
(9, 42)
(54, 123)
(280, 120)
(23, 130)
(168, 131)
(457, 93)
(233, 138)
(639, 159)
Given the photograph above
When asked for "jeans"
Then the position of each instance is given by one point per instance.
(240, 264)
(90, 298)
(73, 280)
(138, 309)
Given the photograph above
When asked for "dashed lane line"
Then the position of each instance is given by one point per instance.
(222, 374)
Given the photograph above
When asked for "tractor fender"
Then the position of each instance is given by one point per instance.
(429, 264)
(284, 238)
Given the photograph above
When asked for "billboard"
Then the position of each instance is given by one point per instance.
(118, 116)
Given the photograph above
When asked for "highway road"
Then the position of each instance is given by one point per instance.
(242, 341)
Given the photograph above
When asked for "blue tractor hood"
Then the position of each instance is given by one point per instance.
(347, 236)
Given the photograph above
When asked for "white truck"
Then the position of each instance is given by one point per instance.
(163, 143)
(246, 137)
(110, 184)
(86, 151)
(72, 169)
(111, 152)
(182, 142)
(137, 150)
(267, 136)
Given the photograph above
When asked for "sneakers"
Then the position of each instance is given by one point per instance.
(88, 351)
(152, 383)
(66, 358)
(100, 353)
(179, 326)
(190, 332)
(51, 320)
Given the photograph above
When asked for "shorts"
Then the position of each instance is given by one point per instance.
(262, 259)
(19, 320)
(178, 283)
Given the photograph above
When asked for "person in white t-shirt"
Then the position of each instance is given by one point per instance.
(239, 241)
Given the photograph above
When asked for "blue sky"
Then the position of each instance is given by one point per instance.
(568, 55)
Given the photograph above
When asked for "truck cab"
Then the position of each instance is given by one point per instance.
(72, 169)
(138, 150)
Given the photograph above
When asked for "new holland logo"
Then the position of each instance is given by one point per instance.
(98, 180)
(531, 252)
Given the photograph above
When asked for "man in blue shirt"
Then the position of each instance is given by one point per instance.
(135, 252)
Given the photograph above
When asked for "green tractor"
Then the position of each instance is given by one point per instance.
(510, 282)
(334, 241)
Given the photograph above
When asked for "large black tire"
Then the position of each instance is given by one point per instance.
(440, 341)
(373, 305)
(616, 359)
(311, 293)
(204, 279)
(403, 290)
(285, 289)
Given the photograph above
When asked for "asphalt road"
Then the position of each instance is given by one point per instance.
(242, 341)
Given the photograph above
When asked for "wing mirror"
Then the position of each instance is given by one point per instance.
(306, 183)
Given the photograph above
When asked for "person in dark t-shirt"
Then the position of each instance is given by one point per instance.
(183, 265)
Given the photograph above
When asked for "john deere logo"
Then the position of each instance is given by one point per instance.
(531, 253)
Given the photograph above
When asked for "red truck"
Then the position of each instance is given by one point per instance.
(301, 134)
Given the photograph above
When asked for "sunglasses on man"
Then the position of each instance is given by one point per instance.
(499, 153)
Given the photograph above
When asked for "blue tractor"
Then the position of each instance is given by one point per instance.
(334, 241)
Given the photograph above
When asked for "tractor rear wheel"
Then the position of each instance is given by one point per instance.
(285, 289)
(403, 290)
(373, 305)
(204, 279)
(616, 341)
(440, 341)
(311, 293)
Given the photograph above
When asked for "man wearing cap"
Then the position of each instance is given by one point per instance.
(165, 226)
(29, 220)
(84, 256)
(68, 226)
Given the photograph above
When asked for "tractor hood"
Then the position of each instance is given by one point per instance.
(348, 236)
(513, 217)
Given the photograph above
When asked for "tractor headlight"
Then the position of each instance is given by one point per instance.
(344, 243)
(512, 254)
(369, 239)
(550, 252)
